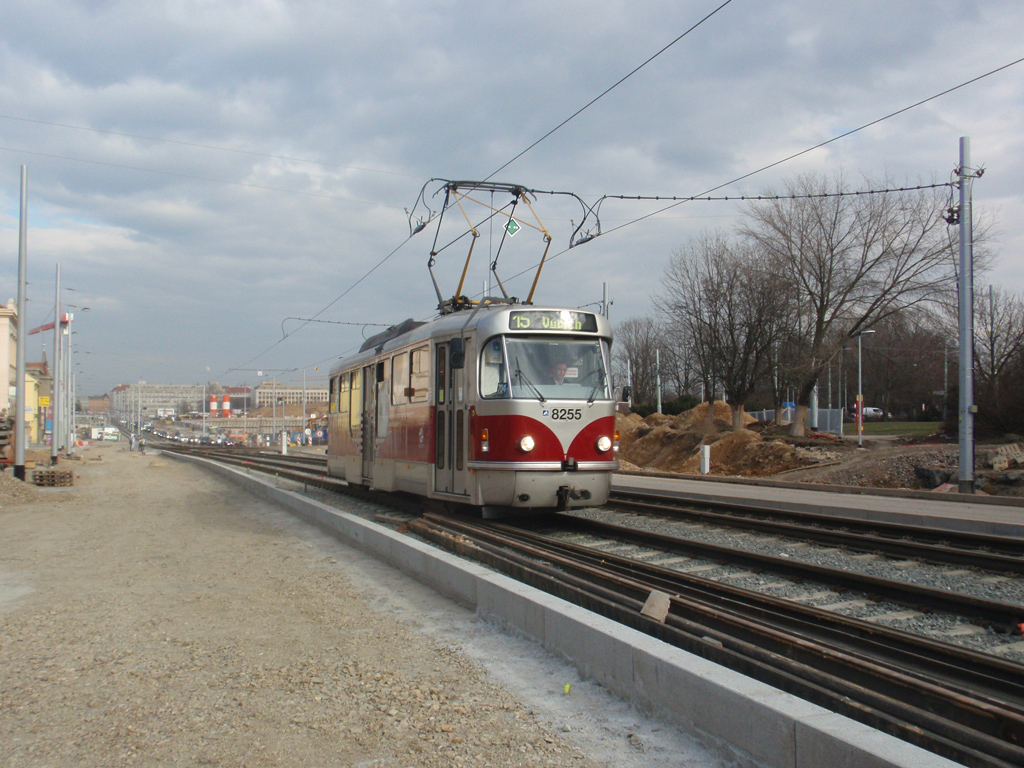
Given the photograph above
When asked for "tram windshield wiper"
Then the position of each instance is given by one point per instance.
(523, 377)
(599, 384)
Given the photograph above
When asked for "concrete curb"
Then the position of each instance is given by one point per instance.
(810, 501)
(838, 490)
(772, 727)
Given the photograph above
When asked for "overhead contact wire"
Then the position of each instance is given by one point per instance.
(816, 146)
(314, 317)
(606, 92)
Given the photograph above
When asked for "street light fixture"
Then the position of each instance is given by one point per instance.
(860, 391)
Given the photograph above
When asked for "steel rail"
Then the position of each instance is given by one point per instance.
(1005, 616)
(1002, 554)
(980, 729)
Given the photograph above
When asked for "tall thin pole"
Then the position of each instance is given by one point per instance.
(945, 380)
(69, 425)
(966, 311)
(55, 374)
(860, 396)
(657, 375)
(18, 423)
(629, 380)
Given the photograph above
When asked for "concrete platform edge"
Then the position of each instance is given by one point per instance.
(767, 725)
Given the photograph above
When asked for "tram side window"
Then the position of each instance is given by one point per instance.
(356, 412)
(493, 378)
(400, 379)
(441, 374)
(419, 381)
(333, 396)
(343, 397)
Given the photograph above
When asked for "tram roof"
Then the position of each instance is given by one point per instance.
(491, 319)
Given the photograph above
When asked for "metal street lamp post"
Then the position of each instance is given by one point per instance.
(860, 391)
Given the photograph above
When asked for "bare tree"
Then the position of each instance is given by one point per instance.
(998, 342)
(904, 369)
(853, 259)
(636, 341)
(732, 304)
(677, 365)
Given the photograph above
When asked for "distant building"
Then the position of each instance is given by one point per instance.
(127, 399)
(8, 352)
(98, 404)
(269, 391)
(38, 396)
(239, 397)
(37, 376)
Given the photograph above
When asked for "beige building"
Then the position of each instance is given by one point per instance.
(285, 394)
(8, 351)
(34, 413)
(9, 363)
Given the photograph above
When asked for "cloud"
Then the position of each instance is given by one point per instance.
(297, 132)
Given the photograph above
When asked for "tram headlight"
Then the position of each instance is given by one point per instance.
(604, 444)
(526, 444)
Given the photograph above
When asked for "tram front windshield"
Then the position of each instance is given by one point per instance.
(532, 368)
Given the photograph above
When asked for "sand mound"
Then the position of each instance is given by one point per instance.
(672, 444)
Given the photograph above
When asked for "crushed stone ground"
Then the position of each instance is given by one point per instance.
(152, 615)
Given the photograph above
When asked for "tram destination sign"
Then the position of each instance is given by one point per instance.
(552, 320)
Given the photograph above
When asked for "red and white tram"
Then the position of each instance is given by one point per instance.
(505, 406)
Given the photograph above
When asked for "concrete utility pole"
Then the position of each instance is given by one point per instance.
(55, 375)
(657, 375)
(17, 428)
(966, 311)
(18, 422)
(69, 397)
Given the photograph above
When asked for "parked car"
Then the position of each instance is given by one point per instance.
(873, 413)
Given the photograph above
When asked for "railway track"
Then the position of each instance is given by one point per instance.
(997, 554)
(958, 703)
(820, 580)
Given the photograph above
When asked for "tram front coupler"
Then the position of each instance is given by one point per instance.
(567, 492)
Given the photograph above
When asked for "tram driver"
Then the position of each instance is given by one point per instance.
(556, 373)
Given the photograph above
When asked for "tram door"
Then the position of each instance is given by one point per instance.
(369, 426)
(451, 425)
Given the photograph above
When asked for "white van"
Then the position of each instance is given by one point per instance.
(872, 413)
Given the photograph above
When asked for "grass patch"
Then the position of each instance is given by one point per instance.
(899, 428)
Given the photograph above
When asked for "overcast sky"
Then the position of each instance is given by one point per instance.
(203, 170)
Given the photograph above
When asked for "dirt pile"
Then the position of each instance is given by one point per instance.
(672, 444)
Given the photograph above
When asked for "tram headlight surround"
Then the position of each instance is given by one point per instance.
(604, 444)
(527, 444)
